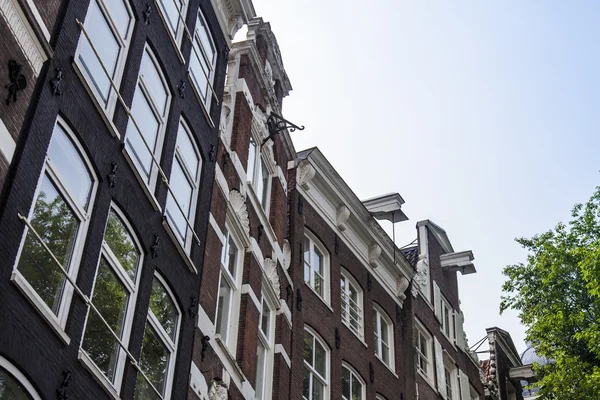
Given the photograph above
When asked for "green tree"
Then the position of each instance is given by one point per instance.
(557, 295)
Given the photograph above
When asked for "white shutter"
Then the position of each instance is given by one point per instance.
(439, 368)
(456, 320)
(460, 336)
(465, 387)
(437, 301)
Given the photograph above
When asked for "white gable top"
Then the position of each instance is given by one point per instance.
(387, 206)
(460, 261)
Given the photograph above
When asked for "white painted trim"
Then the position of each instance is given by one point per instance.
(221, 180)
(281, 350)
(98, 376)
(285, 310)
(19, 377)
(247, 289)
(198, 382)
(38, 18)
(216, 228)
(23, 33)
(7, 143)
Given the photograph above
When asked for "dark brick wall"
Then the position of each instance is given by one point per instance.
(318, 316)
(49, 11)
(25, 338)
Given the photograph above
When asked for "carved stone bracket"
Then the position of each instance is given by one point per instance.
(401, 286)
(218, 391)
(374, 253)
(422, 276)
(341, 216)
(304, 174)
(271, 272)
(287, 254)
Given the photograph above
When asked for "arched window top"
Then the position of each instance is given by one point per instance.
(122, 242)
(164, 307)
(13, 384)
(353, 386)
(316, 365)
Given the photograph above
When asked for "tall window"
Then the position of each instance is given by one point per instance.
(203, 60)
(424, 350)
(316, 266)
(159, 345)
(449, 383)
(114, 296)
(447, 319)
(185, 185)
(170, 11)
(351, 303)
(384, 337)
(316, 368)
(150, 108)
(227, 304)
(353, 388)
(264, 357)
(60, 214)
(109, 24)
(13, 384)
(259, 175)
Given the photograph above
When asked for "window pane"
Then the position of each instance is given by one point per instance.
(121, 243)
(265, 185)
(308, 348)
(154, 83)
(265, 319)
(356, 389)
(187, 151)
(10, 388)
(318, 262)
(182, 189)
(161, 305)
(119, 14)
(320, 359)
(55, 222)
(385, 352)
(154, 362)
(306, 246)
(171, 14)
(232, 252)
(251, 161)
(318, 284)
(384, 331)
(260, 369)
(203, 35)
(110, 298)
(306, 273)
(346, 383)
(148, 124)
(259, 182)
(306, 385)
(198, 70)
(107, 47)
(70, 167)
(318, 390)
(223, 309)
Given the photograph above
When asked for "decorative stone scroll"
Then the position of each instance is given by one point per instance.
(238, 203)
(401, 286)
(341, 216)
(305, 174)
(374, 253)
(271, 272)
(422, 276)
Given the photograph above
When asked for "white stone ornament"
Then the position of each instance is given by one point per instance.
(218, 391)
(287, 254)
(374, 253)
(304, 174)
(238, 203)
(401, 285)
(342, 215)
(271, 272)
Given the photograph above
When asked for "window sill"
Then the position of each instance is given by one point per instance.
(358, 335)
(104, 113)
(387, 366)
(143, 184)
(186, 258)
(97, 374)
(203, 106)
(426, 379)
(38, 303)
(230, 359)
(319, 296)
(260, 211)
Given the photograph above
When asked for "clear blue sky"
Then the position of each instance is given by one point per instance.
(483, 115)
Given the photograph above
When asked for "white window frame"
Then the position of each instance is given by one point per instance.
(175, 35)
(314, 242)
(379, 397)
(316, 375)
(58, 321)
(347, 279)
(142, 89)
(473, 393)
(447, 322)
(163, 336)
(423, 334)
(124, 45)
(131, 286)
(353, 372)
(199, 51)
(19, 377)
(184, 129)
(378, 329)
(267, 339)
(450, 367)
(260, 158)
(235, 283)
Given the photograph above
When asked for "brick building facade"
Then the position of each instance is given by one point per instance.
(108, 129)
